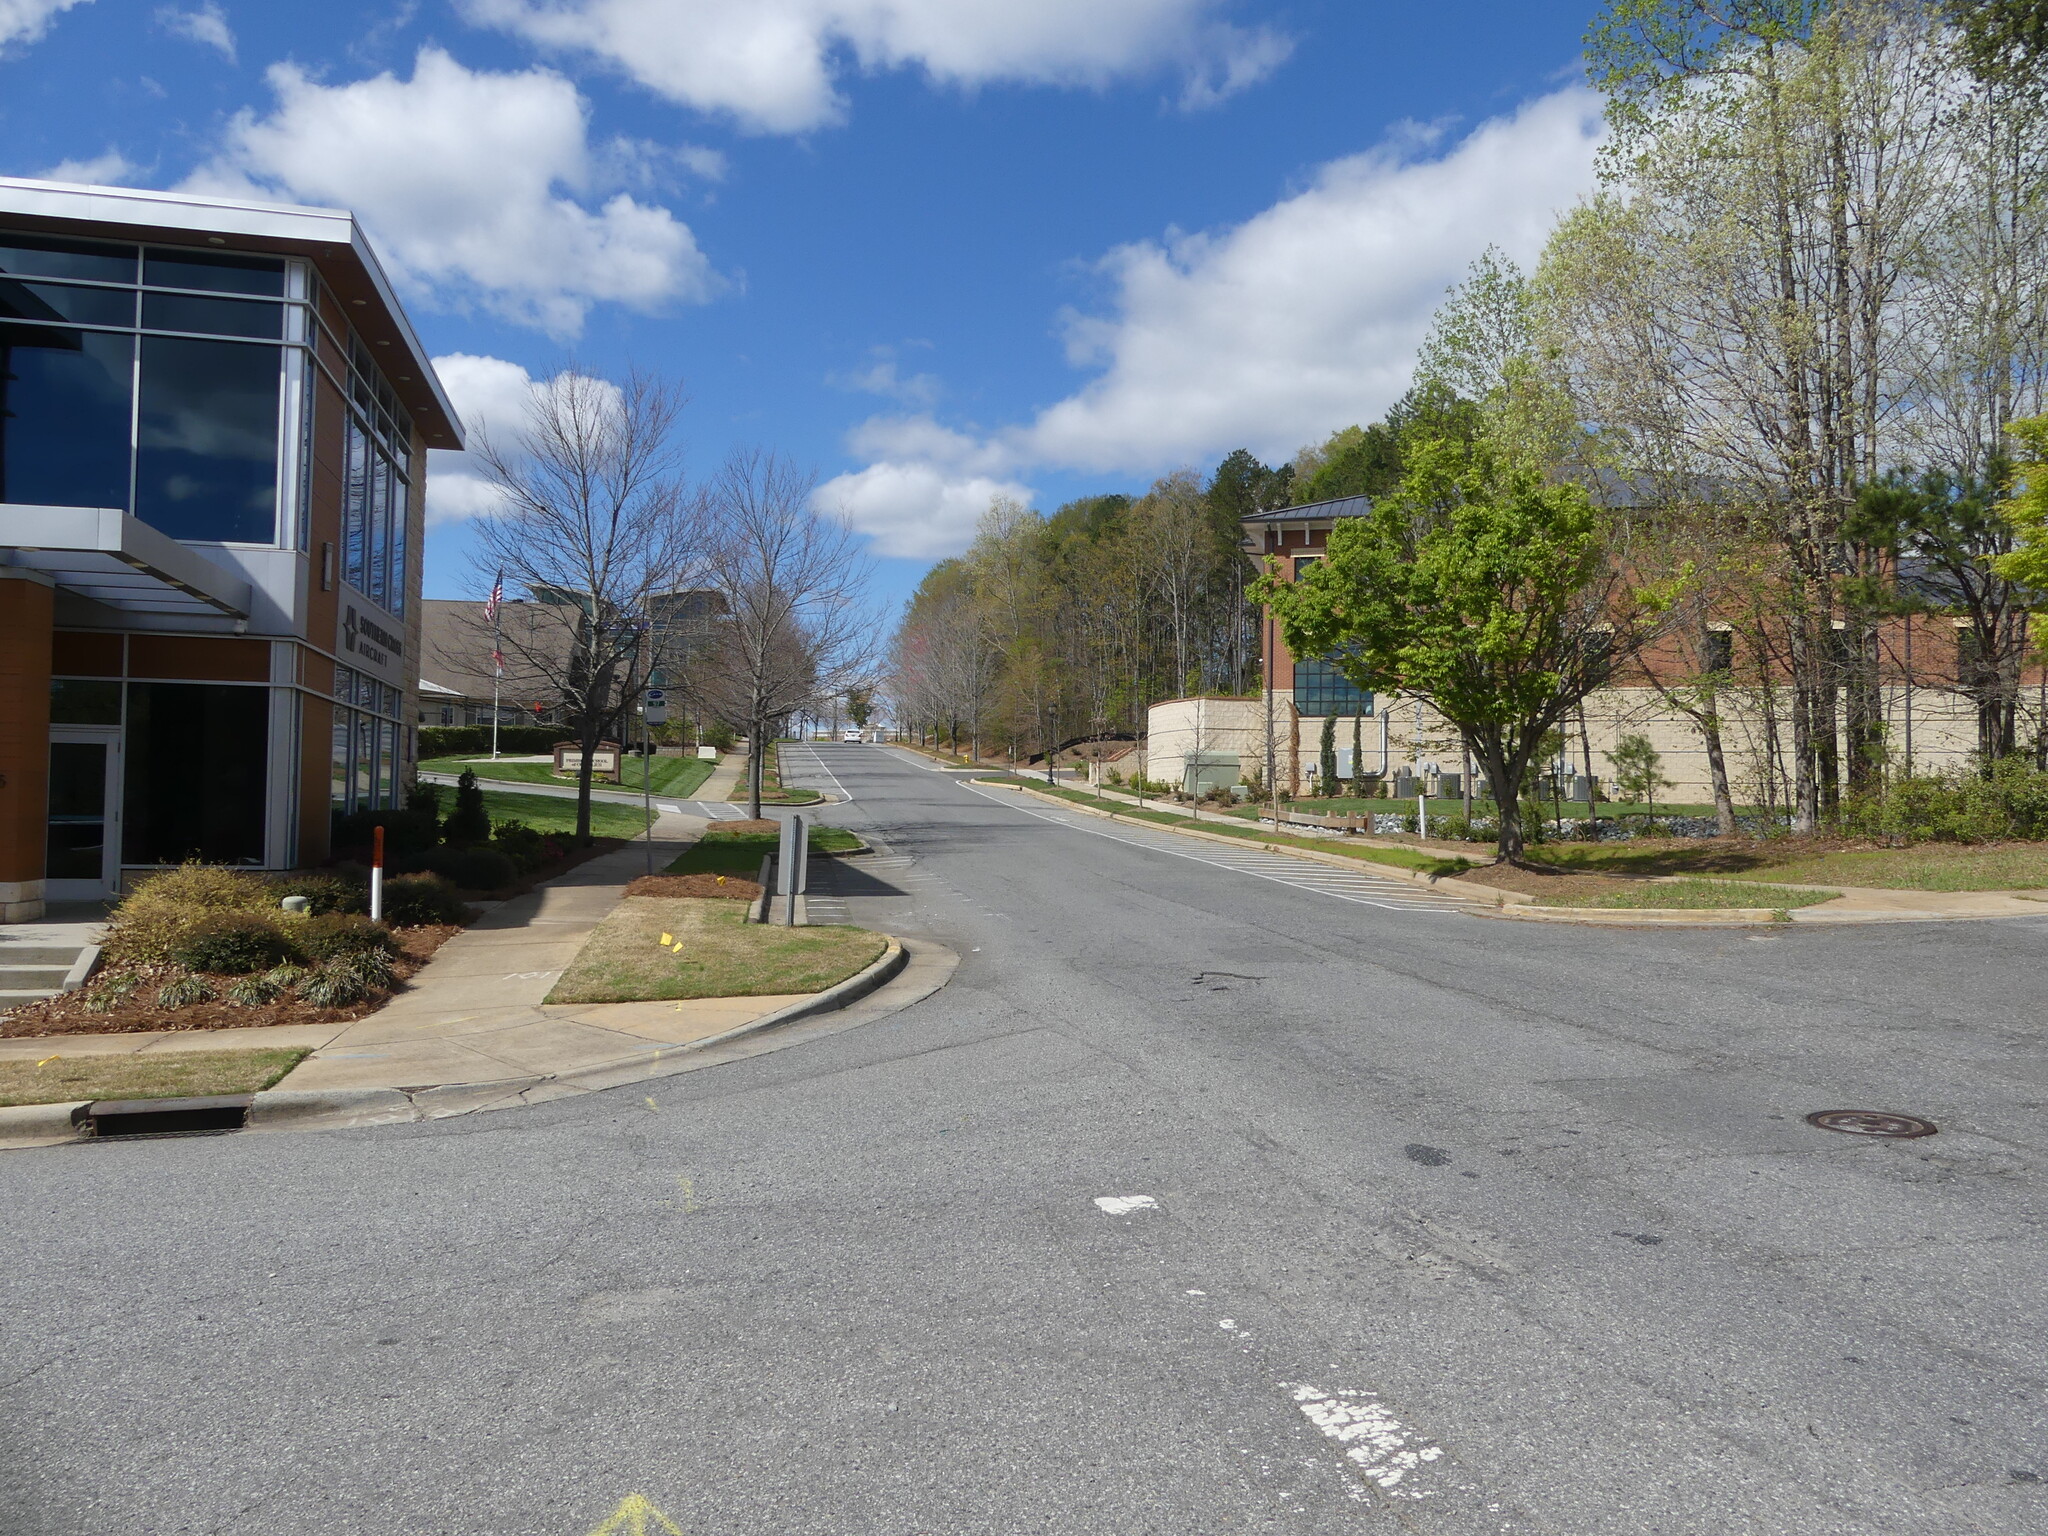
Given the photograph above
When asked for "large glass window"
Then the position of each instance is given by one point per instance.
(206, 436)
(64, 415)
(196, 454)
(195, 773)
(1320, 689)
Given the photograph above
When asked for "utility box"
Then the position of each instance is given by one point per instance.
(1404, 784)
(1204, 771)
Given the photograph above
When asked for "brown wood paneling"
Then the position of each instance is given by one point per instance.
(25, 613)
(201, 658)
(76, 653)
(316, 749)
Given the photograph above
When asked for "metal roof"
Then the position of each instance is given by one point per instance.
(329, 237)
(1315, 511)
(106, 555)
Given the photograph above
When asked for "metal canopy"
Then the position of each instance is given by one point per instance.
(106, 555)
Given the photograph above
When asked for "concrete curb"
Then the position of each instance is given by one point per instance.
(305, 1110)
(1511, 904)
(40, 1125)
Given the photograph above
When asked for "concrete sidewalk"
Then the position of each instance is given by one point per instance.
(470, 1030)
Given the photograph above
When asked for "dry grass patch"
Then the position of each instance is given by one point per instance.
(1570, 888)
(170, 1075)
(714, 952)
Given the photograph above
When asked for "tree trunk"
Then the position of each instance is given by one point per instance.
(756, 729)
(1717, 765)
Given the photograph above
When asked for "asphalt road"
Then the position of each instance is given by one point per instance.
(1198, 1203)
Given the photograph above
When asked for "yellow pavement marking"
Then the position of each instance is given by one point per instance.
(632, 1518)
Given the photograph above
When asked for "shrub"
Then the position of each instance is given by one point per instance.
(404, 831)
(334, 986)
(719, 735)
(474, 869)
(151, 918)
(111, 992)
(469, 822)
(470, 740)
(233, 944)
(253, 991)
(326, 892)
(521, 844)
(413, 901)
(372, 967)
(424, 799)
(340, 933)
(183, 992)
(285, 977)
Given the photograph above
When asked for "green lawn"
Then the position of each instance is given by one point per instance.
(1399, 858)
(1574, 810)
(165, 1075)
(552, 813)
(1927, 867)
(716, 953)
(679, 777)
(723, 852)
(772, 792)
(1693, 896)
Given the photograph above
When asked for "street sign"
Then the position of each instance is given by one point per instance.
(656, 712)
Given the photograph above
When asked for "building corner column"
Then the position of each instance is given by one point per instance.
(27, 612)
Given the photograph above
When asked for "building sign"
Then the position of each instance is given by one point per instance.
(604, 762)
(364, 643)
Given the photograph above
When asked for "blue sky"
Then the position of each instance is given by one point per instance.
(939, 249)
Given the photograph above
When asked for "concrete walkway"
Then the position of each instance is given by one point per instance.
(470, 1030)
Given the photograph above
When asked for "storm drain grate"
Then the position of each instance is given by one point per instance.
(109, 1119)
(1872, 1122)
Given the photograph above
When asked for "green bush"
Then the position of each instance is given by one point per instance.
(327, 892)
(233, 944)
(372, 967)
(341, 933)
(183, 992)
(425, 799)
(719, 735)
(1959, 805)
(473, 869)
(471, 740)
(413, 901)
(253, 992)
(521, 844)
(152, 917)
(469, 822)
(404, 832)
(334, 986)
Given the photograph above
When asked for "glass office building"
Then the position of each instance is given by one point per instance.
(214, 419)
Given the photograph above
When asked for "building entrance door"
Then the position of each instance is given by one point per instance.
(83, 858)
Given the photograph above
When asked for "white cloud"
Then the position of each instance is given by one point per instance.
(23, 21)
(111, 169)
(470, 183)
(882, 377)
(1276, 332)
(494, 398)
(774, 65)
(207, 25)
(916, 510)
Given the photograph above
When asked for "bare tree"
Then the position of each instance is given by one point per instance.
(594, 523)
(792, 581)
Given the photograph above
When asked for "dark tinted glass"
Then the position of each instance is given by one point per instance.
(58, 302)
(81, 701)
(77, 847)
(67, 258)
(218, 317)
(216, 274)
(206, 440)
(195, 773)
(64, 416)
(1320, 689)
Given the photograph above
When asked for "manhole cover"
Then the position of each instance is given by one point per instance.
(1871, 1122)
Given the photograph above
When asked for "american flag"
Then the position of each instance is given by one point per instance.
(497, 596)
(498, 663)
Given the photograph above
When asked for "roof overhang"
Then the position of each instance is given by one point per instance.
(106, 555)
(329, 237)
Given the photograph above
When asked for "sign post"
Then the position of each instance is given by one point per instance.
(653, 712)
(377, 874)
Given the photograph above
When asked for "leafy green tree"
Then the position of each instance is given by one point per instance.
(860, 706)
(1358, 755)
(1326, 757)
(1638, 768)
(469, 822)
(1481, 588)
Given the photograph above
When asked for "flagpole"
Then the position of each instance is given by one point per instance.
(497, 658)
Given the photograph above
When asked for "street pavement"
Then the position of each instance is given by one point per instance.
(1201, 1201)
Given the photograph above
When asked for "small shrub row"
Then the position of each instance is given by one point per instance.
(1960, 805)
(468, 740)
(241, 943)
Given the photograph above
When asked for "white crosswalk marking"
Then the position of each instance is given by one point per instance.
(1362, 885)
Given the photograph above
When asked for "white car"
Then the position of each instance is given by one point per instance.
(849, 736)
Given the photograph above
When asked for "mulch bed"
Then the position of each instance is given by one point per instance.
(66, 1014)
(731, 888)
